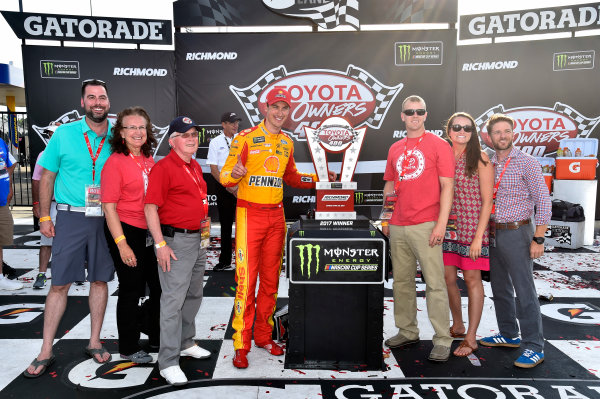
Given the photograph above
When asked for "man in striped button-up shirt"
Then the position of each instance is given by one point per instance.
(519, 194)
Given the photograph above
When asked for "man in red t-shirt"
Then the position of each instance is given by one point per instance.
(420, 171)
(175, 205)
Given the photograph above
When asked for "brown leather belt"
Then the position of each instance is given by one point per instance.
(247, 204)
(511, 225)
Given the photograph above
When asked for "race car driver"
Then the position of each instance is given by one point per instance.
(260, 160)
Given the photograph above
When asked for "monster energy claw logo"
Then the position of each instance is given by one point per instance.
(202, 135)
(359, 197)
(404, 52)
(48, 68)
(561, 60)
(309, 257)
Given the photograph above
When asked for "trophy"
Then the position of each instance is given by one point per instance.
(335, 200)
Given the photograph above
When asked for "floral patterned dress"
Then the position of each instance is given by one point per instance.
(459, 235)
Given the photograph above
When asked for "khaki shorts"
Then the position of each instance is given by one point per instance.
(6, 226)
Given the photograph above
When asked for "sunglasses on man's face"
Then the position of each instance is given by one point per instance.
(411, 112)
(466, 128)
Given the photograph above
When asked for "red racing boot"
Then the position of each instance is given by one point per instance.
(240, 360)
(271, 347)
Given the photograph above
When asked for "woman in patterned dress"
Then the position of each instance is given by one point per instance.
(466, 244)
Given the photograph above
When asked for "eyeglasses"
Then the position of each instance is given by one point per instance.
(187, 135)
(140, 128)
(411, 112)
(466, 128)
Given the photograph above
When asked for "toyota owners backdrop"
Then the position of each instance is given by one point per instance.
(361, 76)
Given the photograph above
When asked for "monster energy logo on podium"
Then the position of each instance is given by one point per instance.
(359, 197)
(309, 257)
(561, 61)
(54, 69)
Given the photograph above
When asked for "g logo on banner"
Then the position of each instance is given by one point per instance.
(20, 313)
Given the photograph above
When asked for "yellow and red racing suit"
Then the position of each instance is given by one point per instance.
(260, 225)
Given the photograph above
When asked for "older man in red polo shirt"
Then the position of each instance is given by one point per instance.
(175, 207)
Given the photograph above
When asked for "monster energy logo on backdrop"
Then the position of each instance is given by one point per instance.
(561, 60)
(404, 53)
(55, 69)
(359, 197)
(48, 68)
(309, 257)
(418, 53)
(202, 135)
(570, 60)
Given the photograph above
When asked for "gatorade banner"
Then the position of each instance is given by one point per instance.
(360, 76)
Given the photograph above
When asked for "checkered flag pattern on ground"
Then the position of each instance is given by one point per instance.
(214, 13)
(248, 96)
(584, 125)
(384, 95)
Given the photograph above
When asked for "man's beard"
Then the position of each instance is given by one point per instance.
(96, 119)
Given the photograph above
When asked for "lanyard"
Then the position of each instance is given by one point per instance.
(497, 185)
(144, 168)
(94, 157)
(406, 154)
(196, 180)
(228, 142)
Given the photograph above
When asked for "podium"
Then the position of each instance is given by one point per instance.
(336, 270)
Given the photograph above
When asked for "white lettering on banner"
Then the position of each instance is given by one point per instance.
(575, 167)
(211, 56)
(541, 21)
(36, 25)
(118, 71)
(487, 66)
(303, 199)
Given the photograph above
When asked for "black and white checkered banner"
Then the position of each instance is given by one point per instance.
(326, 16)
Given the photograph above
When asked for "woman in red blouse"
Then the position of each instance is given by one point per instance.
(124, 182)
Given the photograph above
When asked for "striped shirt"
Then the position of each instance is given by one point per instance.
(522, 189)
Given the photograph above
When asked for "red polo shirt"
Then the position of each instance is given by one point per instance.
(176, 192)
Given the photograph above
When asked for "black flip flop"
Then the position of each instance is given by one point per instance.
(37, 363)
(91, 352)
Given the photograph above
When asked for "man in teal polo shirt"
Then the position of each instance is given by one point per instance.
(73, 161)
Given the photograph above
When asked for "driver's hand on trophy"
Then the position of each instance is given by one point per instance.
(332, 175)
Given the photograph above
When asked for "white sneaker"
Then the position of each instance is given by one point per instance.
(196, 352)
(174, 375)
(10, 285)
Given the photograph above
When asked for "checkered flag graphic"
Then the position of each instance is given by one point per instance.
(384, 95)
(213, 12)
(328, 15)
(565, 238)
(248, 96)
(585, 126)
(483, 118)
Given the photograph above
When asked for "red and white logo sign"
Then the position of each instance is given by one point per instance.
(319, 94)
(538, 130)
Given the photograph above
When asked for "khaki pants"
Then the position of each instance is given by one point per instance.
(408, 245)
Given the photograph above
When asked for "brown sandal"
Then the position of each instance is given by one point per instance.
(456, 335)
(464, 344)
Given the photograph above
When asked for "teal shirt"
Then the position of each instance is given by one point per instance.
(68, 156)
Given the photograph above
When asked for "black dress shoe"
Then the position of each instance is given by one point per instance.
(221, 267)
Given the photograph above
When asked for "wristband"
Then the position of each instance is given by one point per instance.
(36, 203)
(45, 219)
(385, 224)
(119, 239)
(160, 244)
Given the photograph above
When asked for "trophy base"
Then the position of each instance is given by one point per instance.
(335, 215)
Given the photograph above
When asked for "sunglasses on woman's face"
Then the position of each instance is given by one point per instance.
(466, 128)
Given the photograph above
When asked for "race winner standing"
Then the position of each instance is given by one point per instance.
(260, 160)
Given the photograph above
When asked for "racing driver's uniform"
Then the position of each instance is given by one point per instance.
(260, 225)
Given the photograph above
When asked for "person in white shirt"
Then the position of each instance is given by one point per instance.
(218, 150)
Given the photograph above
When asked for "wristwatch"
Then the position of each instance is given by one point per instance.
(539, 240)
